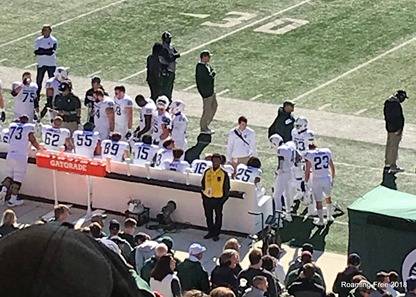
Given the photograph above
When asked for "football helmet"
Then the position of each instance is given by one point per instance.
(276, 140)
(162, 102)
(301, 123)
(177, 106)
(61, 74)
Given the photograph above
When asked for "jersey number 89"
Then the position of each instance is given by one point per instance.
(111, 148)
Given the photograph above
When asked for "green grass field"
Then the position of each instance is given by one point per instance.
(336, 36)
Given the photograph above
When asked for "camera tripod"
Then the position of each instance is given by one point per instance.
(270, 233)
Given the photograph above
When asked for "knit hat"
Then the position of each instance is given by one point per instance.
(51, 260)
(168, 241)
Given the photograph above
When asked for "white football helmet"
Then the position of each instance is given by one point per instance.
(301, 123)
(61, 74)
(162, 102)
(276, 140)
(177, 106)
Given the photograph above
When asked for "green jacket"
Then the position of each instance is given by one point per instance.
(204, 76)
(193, 276)
(147, 268)
(283, 125)
(145, 290)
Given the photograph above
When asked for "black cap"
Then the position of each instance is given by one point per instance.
(95, 79)
(205, 53)
(307, 247)
(114, 225)
(166, 35)
(64, 86)
(402, 93)
(354, 259)
(288, 103)
(55, 265)
(88, 126)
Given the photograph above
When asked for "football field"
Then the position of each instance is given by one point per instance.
(339, 56)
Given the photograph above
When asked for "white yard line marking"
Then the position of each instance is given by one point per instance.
(195, 15)
(203, 45)
(324, 106)
(3, 60)
(30, 66)
(94, 73)
(356, 68)
(189, 88)
(223, 92)
(63, 22)
(256, 97)
(360, 111)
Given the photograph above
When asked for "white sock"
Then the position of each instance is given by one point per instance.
(329, 209)
(320, 215)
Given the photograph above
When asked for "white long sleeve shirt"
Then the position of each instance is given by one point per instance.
(239, 148)
(46, 43)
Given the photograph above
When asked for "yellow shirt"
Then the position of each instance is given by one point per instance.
(213, 183)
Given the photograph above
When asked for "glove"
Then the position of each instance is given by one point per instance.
(2, 116)
(128, 135)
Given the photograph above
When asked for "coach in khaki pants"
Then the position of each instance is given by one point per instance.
(204, 76)
(393, 115)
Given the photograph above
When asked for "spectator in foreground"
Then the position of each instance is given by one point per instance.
(195, 293)
(223, 274)
(343, 281)
(128, 232)
(279, 271)
(284, 122)
(163, 279)
(363, 289)
(306, 258)
(45, 51)
(8, 223)
(305, 285)
(267, 262)
(221, 292)
(258, 288)
(169, 243)
(144, 250)
(99, 219)
(123, 244)
(61, 213)
(254, 270)
(410, 287)
(233, 244)
(95, 230)
(191, 272)
(395, 282)
(160, 250)
(72, 250)
(382, 284)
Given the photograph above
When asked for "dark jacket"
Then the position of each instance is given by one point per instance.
(6, 229)
(147, 268)
(154, 69)
(297, 266)
(393, 115)
(248, 274)
(305, 287)
(193, 276)
(70, 104)
(204, 76)
(283, 125)
(343, 278)
(224, 276)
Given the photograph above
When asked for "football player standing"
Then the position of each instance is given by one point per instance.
(103, 114)
(179, 124)
(52, 89)
(319, 163)
(162, 121)
(123, 114)
(24, 94)
(20, 135)
(147, 113)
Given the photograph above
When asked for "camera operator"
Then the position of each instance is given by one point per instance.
(68, 106)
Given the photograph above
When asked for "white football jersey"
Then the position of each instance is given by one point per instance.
(114, 149)
(54, 138)
(228, 168)
(247, 174)
(19, 138)
(319, 159)
(302, 139)
(85, 142)
(53, 83)
(199, 166)
(121, 119)
(24, 100)
(179, 127)
(101, 120)
(4, 135)
(289, 156)
(162, 155)
(157, 125)
(148, 110)
(144, 153)
(174, 165)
